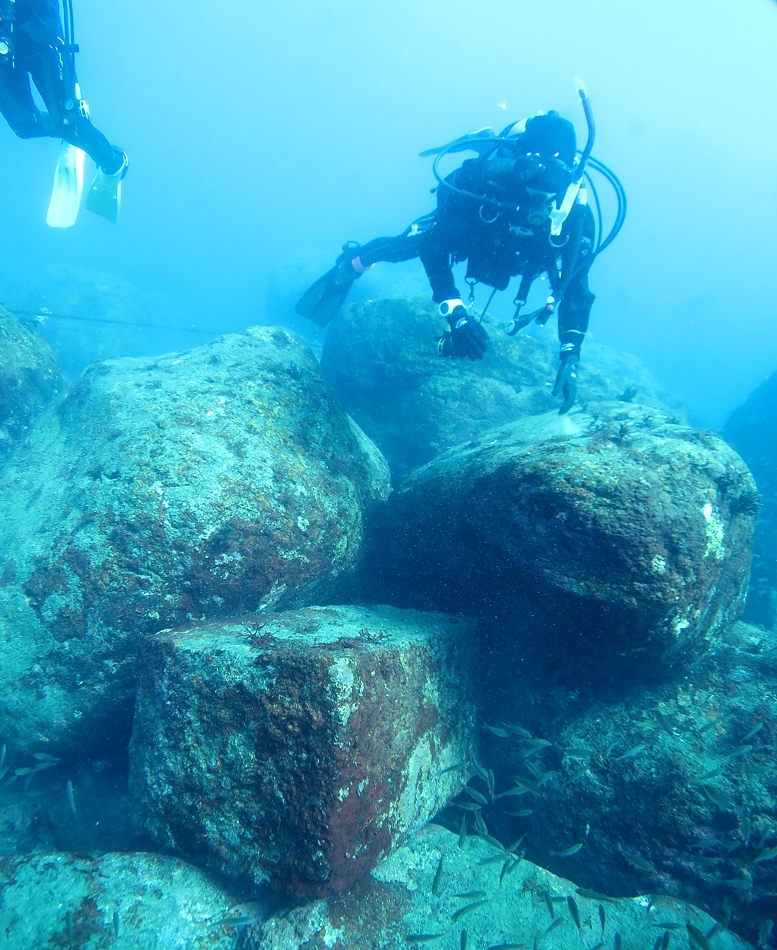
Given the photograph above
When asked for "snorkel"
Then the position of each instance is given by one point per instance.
(589, 118)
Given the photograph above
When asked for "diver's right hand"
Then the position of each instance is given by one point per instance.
(467, 338)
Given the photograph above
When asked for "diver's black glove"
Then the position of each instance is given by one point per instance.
(467, 338)
(566, 378)
(566, 382)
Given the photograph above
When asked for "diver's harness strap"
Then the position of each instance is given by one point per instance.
(7, 20)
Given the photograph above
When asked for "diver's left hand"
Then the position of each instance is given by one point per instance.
(566, 381)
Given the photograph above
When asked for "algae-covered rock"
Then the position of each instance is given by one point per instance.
(303, 748)
(610, 545)
(751, 430)
(672, 790)
(30, 377)
(495, 899)
(381, 358)
(117, 900)
(205, 483)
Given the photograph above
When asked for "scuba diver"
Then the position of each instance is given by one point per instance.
(519, 208)
(35, 47)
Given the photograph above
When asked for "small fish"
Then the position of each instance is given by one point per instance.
(242, 921)
(713, 773)
(665, 724)
(71, 798)
(69, 927)
(491, 859)
(598, 946)
(517, 843)
(498, 731)
(25, 770)
(574, 913)
(41, 757)
(610, 748)
(549, 903)
(470, 896)
(618, 942)
(475, 795)
(437, 877)
(704, 861)
(555, 924)
(631, 754)
(567, 852)
(415, 940)
(538, 743)
(706, 727)
(747, 828)
(519, 813)
(763, 933)
(2, 755)
(579, 774)
(719, 798)
(528, 785)
(481, 772)
(518, 730)
(637, 861)
(535, 770)
(115, 925)
(668, 924)
(737, 884)
(602, 918)
(739, 750)
(766, 855)
(463, 940)
(466, 806)
(658, 941)
(757, 770)
(505, 866)
(480, 824)
(463, 832)
(453, 768)
(513, 791)
(592, 895)
(41, 766)
(491, 784)
(3, 771)
(714, 930)
(463, 911)
(753, 732)
(665, 941)
(494, 842)
(698, 937)
(578, 752)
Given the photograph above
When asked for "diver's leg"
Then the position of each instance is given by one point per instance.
(17, 105)
(49, 75)
(390, 250)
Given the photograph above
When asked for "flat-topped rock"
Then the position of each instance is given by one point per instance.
(301, 748)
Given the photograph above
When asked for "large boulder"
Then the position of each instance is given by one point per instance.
(611, 544)
(135, 900)
(302, 748)
(380, 356)
(30, 377)
(671, 790)
(436, 894)
(750, 429)
(206, 483)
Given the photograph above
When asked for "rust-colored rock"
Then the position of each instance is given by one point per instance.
(302, 749)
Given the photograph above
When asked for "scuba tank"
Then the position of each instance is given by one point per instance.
(7, 20)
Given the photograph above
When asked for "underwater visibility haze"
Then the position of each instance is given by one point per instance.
(331, 613)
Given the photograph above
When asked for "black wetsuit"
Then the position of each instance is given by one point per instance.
(39, 54)
(498, 244)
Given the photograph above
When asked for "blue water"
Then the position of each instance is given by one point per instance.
(258, 132)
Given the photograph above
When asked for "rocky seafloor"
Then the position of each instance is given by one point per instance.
(252, 697)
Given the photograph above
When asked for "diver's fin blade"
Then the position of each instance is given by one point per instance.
(104, 195)
(323, 299)
(68, 186)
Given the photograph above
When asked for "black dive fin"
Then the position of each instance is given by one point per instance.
(322, 300)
